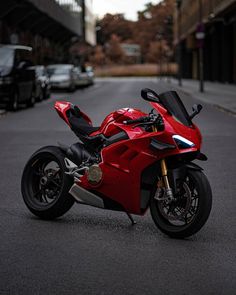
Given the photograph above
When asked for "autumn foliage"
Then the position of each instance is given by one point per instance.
(152, 31)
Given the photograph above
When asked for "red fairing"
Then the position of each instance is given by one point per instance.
(173, 127)
(63, 106)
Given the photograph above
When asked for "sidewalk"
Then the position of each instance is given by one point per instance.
(220, 95)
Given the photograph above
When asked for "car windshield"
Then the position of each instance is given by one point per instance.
(58, 71)
(174, 105)
(6, 57)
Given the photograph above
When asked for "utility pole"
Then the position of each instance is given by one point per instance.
(83, 19)
(200, 35)
(159, 65)
(179, 51)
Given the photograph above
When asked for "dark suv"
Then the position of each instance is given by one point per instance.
(17, 79)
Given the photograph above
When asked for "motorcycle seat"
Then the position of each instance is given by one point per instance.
(81, 126)
(78, 124)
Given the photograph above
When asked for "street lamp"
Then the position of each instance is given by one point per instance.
(178, 4)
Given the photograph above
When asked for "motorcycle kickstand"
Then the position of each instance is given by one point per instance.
(133, 222)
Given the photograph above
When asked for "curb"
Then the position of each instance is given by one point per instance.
(225, 110)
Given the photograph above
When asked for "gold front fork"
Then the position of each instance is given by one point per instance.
(168, 190)
(164, 173)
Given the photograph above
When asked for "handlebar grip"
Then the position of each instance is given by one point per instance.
(139, 120)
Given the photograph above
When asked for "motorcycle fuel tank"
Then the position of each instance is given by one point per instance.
(109, 127)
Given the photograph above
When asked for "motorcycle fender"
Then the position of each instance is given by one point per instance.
(202, 157)
(178, 173)
(193, 166)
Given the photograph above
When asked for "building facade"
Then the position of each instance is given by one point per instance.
(89, 23)
(51, 27)
(214, 22)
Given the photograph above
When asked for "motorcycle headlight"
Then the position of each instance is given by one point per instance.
(182, 142)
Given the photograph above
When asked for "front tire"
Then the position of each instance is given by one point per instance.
(189, 212)
(45, 186)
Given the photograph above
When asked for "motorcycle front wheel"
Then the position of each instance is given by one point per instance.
(189, 211)
(44, 184)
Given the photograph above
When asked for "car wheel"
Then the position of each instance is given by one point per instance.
(14, 102)
(47, 93)
(72, 87)
(41, 95)
(31, 101)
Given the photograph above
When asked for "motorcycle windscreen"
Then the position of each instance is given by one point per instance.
(174, 105)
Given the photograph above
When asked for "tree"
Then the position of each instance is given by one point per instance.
(158, 51)
(154, 21)
(114, 50)
(98, 58)
(114, 24)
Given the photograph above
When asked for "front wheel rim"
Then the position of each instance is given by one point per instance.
(183, 210)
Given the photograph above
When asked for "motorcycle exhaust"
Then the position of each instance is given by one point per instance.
(83, 196)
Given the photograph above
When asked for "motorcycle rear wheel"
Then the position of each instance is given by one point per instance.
(187, 215)
(44, 184)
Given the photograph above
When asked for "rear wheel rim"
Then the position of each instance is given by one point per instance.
(45, 183)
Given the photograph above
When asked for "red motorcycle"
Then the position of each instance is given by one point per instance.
(133, 161)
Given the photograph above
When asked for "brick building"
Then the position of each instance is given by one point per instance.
(219, 45)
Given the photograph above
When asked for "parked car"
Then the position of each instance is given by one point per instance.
(42, 84)
(84, 76)
(62, 76)
(16, 78)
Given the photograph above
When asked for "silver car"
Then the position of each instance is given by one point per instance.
(62, 76)
(84, 76)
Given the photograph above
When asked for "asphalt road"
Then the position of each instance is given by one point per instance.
(91, 251)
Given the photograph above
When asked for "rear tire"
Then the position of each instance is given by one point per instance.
(45, 186)
(200, 190)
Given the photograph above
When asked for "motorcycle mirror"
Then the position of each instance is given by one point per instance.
(149, 95)
(196, 110)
